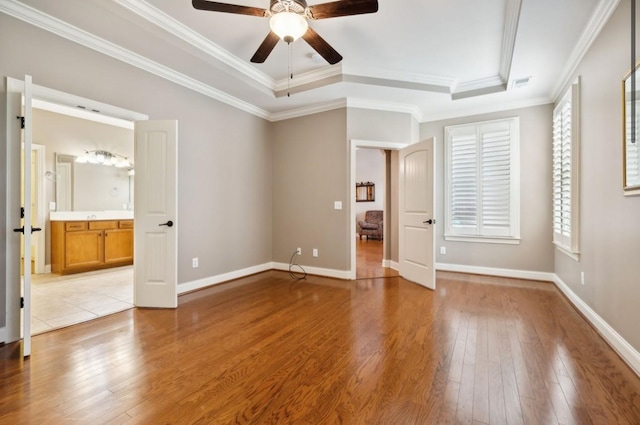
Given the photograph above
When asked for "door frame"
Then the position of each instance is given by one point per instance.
(354, 145)
(56, 97)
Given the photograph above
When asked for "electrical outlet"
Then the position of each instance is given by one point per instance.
(194, 262)
(299, 251)
(582, 278)
(315, 252)
(443, 250)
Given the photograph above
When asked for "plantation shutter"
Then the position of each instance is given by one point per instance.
(566, 151)
(480, 179)
(562, 173)
(496, 180)
(464, 182)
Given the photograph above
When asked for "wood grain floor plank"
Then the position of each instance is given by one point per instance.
(268, 350)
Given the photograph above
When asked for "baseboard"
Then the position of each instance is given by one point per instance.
(3, 334)
(390, 264)
(47, 268)
(214, 280)
(492, 271)
(630, 355)
(338, 274)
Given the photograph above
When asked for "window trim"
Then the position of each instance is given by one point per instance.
(569, 245)
(514, 218)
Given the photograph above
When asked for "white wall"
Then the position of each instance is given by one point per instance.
(370, 167)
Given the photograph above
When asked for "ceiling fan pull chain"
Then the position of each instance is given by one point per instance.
(289, 70)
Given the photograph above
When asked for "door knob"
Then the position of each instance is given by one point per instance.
(430, 221)
(21, 229)
(168, 224)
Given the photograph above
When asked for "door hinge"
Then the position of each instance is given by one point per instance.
(21, 118)
(21, 212)
(21, 302)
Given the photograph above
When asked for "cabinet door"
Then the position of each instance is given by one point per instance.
(84, 248)
(118, 246)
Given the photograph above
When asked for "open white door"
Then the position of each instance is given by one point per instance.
(416, 213)
(18, 243)
(155, 216)
(26, 221)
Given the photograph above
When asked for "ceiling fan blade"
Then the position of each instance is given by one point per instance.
(215, 6)
(265, 48)
(321, 46)
(342, 8)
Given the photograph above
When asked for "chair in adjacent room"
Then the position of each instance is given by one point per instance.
(371, 226)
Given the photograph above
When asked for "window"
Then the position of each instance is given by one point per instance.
(565, 172)
(482, 175)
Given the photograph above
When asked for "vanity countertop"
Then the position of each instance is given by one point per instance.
(90, 215)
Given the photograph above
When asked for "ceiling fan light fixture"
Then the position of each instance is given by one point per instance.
(288, 26)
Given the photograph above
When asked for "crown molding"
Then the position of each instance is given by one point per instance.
(408, 77)
(309, 77)
(509, 38)
(181, 31)
(350, 102)
(77, 35)
(479, 87)
(486, 109)
(598, 20)
(404, 108)
(308, 110)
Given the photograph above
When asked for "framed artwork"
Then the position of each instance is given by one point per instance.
(365, 192)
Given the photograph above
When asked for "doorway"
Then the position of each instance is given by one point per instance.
(369, 211)
(70, 187)
(107, 113)
(372, 257)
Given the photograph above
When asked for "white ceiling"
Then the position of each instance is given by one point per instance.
(434, 59)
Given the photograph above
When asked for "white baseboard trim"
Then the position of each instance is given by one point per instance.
(338, 274)
(492, 271)
(214, 280)
(47, 268)
(630, 355)
(3, 334)
(391, 264)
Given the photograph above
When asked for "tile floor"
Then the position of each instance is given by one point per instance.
(59, 301)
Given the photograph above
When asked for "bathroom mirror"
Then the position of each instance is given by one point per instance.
(91, 187)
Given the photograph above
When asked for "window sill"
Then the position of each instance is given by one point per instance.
(483, 239)
(573, 255)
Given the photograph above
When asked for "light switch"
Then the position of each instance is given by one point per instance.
(337, 205)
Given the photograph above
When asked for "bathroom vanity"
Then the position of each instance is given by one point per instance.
(86, 241)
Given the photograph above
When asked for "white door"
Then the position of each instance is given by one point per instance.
(18, 241)
(155, 216)
(416, 213)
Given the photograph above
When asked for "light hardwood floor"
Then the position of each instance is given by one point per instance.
(267, 349)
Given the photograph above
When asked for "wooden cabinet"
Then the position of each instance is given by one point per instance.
(79, 246)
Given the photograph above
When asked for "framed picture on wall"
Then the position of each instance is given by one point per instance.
(365, 192)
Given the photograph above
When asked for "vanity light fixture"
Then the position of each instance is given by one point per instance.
(104, 158)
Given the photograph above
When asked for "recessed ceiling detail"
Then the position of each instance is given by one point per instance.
(438, 59)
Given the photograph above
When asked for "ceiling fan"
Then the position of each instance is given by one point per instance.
(288, 21)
